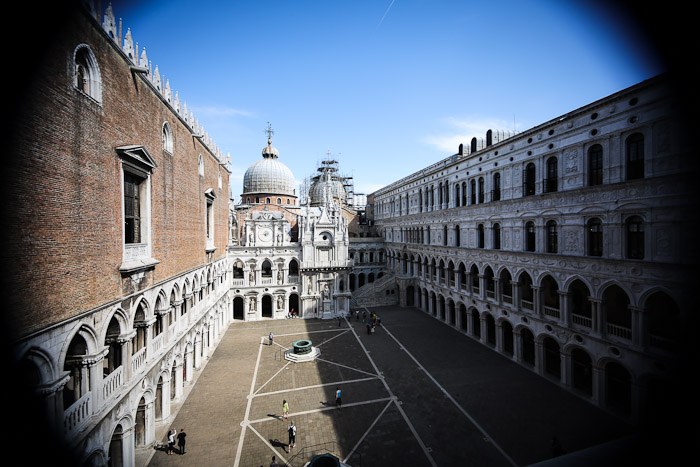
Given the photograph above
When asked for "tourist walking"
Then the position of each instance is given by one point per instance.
(292, 432)
(171, 440)
(270, 338)
(285, 408)
(181, 440)
(338, 399)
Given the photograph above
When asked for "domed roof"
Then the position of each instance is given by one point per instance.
(269, 175)
(327, 183)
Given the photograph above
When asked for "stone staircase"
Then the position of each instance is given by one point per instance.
(375, 293)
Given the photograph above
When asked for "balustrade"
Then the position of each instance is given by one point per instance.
(581, 320)
(138, 360)
(619, 331)
(112, 381)
(551, 311)
(157, 343)
(77, 413)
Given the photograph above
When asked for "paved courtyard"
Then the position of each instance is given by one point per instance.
(415, 393)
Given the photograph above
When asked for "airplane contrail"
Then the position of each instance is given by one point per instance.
(386, 12)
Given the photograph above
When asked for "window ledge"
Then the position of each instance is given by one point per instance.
(135, 265)
(210, 249)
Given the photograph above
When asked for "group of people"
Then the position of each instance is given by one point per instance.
(180, 437)
(291, 429)
(372, 322)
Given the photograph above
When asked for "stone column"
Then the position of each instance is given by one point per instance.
(537, 308)
(565, 365)
(92, 367)
(53, 402)
(198, 350)
(539, 357)
(499, 337)
(515, 287)
(564, 315)
(483, 330)
(635, 325)
(189, 366)
(127, 352)
(178, 378)
(598, 385)
(596, 318)
(517, 346)
(163, 313)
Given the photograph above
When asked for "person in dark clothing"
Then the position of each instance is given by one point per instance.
(181, 440)
(292, 432)
(338, 399)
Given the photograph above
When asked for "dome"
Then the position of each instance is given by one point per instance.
(333, 185)
(269, 175)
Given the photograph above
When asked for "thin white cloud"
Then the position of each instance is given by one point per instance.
(385, 13)
(462, 130)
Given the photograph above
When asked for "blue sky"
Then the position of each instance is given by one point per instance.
(386, 87)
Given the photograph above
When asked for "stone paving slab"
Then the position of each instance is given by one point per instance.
(415, 393)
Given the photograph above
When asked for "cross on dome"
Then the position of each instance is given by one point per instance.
(269, 132)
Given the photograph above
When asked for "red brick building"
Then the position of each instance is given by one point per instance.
(115, 264)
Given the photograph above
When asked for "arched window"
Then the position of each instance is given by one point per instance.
(552, 246)
(595, 237)
(480, 235)
(529, 180)
(496, 229)
(472, 186)
(634, 152)
(530, 236)
(635, 237)
(167, 138)
(551, 182)
(595, 165)
(496, 192)
(279, 200)
(481, 190)
(266, 270)
(294, 268)
(458, 240)
(86, 73)
(444, 235)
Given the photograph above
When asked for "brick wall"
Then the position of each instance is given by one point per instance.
(62, 179)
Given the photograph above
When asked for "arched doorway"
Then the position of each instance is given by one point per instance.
(618, 386)
(238, 308)
(507, 333)
(581, 371)
(552, 357)
(528, 342)
(267, 306)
